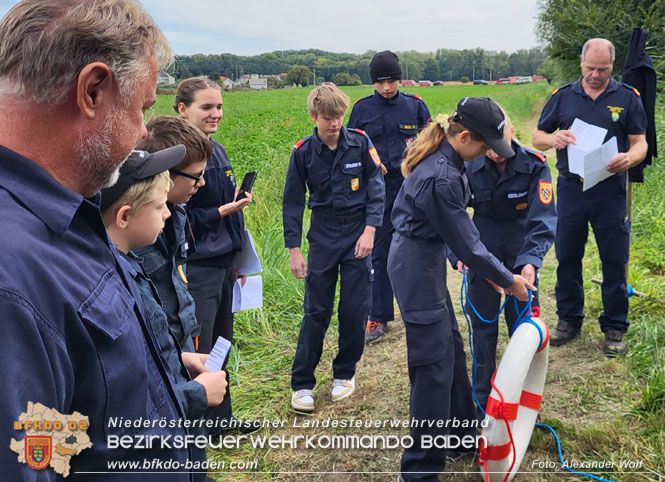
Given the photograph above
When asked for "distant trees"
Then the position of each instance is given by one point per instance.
(444, 64)
(566, 24)
(344, 78)
(299, 75)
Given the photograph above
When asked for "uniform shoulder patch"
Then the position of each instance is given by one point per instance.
(545, 192)
(298, 144)
(362, 98)
(360, 131)
(418, 97)
(632, 89)
(561, 88)
(375, 156)
(540, 156)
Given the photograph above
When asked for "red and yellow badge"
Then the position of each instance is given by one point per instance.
(521, 206)
(38, 451)
(545, 192)
(375, 156)
(355, 184)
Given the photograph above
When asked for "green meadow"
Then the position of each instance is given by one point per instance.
(259, 130)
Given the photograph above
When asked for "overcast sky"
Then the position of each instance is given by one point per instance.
(250, 27)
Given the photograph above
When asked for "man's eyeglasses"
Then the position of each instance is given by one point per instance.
(189, 176)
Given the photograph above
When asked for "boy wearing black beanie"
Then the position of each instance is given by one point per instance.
(392, 119)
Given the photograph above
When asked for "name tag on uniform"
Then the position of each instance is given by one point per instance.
(352, 165)
(515, 195)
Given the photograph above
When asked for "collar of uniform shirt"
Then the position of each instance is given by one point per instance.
(611, 87)
(391, 100)
(452, 155)
(49, 200)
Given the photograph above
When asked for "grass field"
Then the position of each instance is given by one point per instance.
(603, 409)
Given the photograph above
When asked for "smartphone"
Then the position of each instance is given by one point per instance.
(247, 184)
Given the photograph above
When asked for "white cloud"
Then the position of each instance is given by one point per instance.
(254, 26)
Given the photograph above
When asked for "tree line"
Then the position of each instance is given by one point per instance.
(349, 69)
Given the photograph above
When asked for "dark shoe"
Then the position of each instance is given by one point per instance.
(374, 332)
(614, 344)
(563, 333)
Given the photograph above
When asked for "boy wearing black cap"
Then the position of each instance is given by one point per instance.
(391, 119)
(134, 212)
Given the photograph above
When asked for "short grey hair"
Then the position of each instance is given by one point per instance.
(44, 45)
(609, 44)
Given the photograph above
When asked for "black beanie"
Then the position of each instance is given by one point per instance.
(385, 66)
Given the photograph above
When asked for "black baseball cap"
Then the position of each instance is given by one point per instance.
(483, 116)
(140, 165)
(385, 66)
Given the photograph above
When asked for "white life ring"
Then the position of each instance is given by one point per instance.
(520, 380)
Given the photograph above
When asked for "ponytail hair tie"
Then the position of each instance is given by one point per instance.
(442, 120)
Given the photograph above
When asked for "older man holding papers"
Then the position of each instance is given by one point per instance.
(599, 100)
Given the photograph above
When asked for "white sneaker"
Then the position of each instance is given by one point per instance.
(303, 400)
(342, 389)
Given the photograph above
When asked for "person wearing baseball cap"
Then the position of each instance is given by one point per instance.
(134, 211)
(392, 119)
(430, 215)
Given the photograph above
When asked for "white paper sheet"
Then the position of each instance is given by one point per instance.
(249, 296)
(588, 138)
(247, 261)
(595, 163)
(218, 354)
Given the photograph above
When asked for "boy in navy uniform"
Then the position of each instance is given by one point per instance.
(597, 99)
(341, 169)
(391, 119)
(134, 210)
(514, 212)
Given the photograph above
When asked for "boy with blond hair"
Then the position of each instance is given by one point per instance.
(341, 170)
(134, 212)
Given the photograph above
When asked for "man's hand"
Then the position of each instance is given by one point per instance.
(461, 267)
(519, 288)
(365, 243)
(562, 138)
(621, 163)
(529, 273)
(298, 264)
(194, 363)
(236, 275)
(215, 385)
(384, 169)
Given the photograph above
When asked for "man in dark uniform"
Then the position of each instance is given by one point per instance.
(597, 99)
(514, 212)
(341, 170)
(391, 119)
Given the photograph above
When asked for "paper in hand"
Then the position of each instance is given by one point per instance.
(218, 354)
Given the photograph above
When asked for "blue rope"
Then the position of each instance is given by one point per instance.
(563, 464)
(523, 316)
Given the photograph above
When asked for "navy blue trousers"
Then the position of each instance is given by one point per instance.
(382, 308)
(604, 207)
(331, 253)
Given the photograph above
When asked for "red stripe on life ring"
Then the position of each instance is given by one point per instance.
(546, 341)
(498, 452)
(494, 409)
(531, 400)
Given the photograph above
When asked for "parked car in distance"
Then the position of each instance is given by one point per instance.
(438, 82)
(407, 83)
(524, 80)
(328, 83)
(425, 82)
(480, 82)
(503, 80)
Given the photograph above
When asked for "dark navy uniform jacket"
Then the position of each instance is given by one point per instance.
(390, 123)
(618, 109)
(192, 394)
(218, 239)
(514, 211)
(164, 262)
(74, 332)
(431, 206)
(346, 182)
